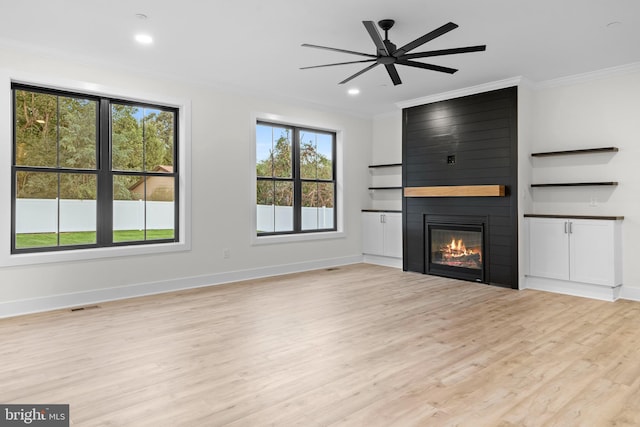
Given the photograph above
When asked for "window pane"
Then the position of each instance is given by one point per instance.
(309, 205)
(143, 208)
(273, 151)
(264, 145)
(160, 207)
(274, 206)
(324, 148)
(128, 208)
(283, 209)
(158, 134)
(77, 133)
(36, 209)
(264, 207)
(316, 155)
(36, 129)
(317, 205)
(308, 155)
(77, 209)
(126, 137)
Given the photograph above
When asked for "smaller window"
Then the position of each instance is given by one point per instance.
(296, 179)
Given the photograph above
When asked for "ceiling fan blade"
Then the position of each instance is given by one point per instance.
(358, 73)
(427, 66)
(338, 50)
(375, 36)
(337, 63)
(427, 37)
(393, 73)
(442, 52)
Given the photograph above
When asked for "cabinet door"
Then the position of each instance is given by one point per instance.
(392, 235)
(592, 252)
(549, 248)
(372, 242)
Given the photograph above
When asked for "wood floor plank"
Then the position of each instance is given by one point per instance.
(360, 345)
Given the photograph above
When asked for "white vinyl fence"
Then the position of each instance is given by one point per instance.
(41, 215)
(280, 218)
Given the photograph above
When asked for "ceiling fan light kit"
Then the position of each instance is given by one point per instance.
(389, 55)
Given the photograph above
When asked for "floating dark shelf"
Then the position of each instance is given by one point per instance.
(569, 152)
(390, 165)
(381, 210)
(577, 184)
(385, 188)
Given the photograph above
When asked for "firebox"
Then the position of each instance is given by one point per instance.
(456, 250)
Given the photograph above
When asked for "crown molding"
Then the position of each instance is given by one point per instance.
(524, 82)
(589, 76)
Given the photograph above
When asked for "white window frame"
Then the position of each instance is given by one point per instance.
(184, 164)
(296, 237)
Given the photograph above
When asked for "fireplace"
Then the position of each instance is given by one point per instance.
(456, 248)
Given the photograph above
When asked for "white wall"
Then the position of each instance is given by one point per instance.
(585, 113)
(386, 148)
(525, 203)
(222, 138)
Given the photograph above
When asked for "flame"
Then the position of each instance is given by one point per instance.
(457, 254)
(458, 247)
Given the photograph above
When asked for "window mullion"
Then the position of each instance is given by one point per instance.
(105, 176)
(297, 182)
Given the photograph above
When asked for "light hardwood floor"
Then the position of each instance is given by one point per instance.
(361, 345)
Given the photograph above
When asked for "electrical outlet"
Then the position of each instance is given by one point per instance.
(226, 253)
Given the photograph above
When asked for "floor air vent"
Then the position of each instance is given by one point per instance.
(89, 307)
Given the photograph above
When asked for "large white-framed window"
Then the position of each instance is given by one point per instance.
(297, 171)
(94, 172)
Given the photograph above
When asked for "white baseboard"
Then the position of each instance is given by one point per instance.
(55, 302)
(585, 290)
(383, 260)
(632, 294)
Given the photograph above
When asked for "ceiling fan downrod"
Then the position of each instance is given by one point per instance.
(386, 25)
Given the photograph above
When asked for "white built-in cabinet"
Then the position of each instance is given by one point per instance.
(382, 233)
(575, 254)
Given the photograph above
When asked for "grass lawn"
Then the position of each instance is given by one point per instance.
(38, 240)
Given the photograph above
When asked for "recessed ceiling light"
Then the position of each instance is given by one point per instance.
(144, 38)
(353, 91)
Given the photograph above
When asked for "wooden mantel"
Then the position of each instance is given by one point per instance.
(456, 191)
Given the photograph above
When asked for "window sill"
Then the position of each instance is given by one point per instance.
(90, 254)
(288, 238)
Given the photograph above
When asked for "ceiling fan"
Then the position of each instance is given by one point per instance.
(390, 56)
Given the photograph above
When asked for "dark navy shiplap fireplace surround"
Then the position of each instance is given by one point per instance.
(470, 140)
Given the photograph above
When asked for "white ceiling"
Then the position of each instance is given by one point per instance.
(254, 46)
